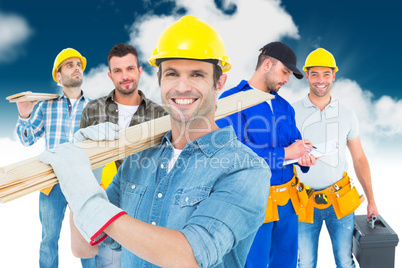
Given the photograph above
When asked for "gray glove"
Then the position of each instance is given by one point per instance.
(89, 202)
(104, 131)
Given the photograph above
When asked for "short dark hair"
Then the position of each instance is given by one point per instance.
(121, 50)
(262, 57)
(217, 72)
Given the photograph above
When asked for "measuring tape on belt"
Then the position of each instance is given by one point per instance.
(279, 195)
(342, 195)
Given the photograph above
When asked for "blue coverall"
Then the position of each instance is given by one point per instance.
(267, 135)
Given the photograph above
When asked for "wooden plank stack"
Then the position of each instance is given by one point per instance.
(30, 96)
(22, 178)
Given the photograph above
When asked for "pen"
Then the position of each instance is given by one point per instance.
(314, 147)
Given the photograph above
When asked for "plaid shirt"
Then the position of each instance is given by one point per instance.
(56, 119)
(105, 109)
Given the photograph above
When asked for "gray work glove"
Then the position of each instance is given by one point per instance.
(104, 131)
(92, 210)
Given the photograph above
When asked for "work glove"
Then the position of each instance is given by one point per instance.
(92, 210)
(104, 131)
(100, 132)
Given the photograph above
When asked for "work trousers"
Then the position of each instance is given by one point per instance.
(340, 232)
(52, 208)
(275, 244)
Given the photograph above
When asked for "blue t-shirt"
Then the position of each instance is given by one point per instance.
(266, 133)
(216, 195)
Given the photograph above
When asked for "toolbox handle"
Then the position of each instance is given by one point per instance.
(372, 221)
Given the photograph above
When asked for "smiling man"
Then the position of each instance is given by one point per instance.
(126, 105)
(323, 119)
(185, 210)
(58, 120)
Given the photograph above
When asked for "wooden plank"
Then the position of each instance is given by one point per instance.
(30, 96)
(27, 176)
(18, 95)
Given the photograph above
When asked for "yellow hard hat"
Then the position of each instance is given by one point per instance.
(65, 54)
(190, 38)
(320, 58)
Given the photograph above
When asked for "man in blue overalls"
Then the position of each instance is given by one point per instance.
(269, 129)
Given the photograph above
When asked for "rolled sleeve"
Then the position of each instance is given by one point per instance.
(29, 131)
(208, 237)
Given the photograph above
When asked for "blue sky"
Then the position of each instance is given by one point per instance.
(363, 36)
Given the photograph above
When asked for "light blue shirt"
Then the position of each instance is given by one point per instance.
(335, 123)
(216, 195)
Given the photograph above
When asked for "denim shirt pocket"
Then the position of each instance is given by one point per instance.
(191, 196)
(131, 197)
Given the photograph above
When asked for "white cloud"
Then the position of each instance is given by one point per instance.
(389, 112)
(96, 82)
(13, 150)
(14, 30)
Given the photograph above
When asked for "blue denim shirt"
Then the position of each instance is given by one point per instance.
(266, 133)
(216, 195)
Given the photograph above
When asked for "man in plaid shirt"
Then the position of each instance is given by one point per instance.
(126, 106)
(58, 120)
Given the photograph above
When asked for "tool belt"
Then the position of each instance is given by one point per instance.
(279, 195)
(342, 195)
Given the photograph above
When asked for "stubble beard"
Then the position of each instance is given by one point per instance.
(127, 91)
(270, 84)
(71, 82)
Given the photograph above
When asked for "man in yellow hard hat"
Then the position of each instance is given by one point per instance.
(172, 205)
(57, 120)
(332, 127)
(124, 106)
(269, 129)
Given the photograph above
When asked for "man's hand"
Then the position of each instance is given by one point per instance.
(72, 167)
(104, 131)
(307, 160)
(371, 209)
(298, 149)
(86, 198)
(25, 108)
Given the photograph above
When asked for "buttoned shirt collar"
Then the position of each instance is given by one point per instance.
(208, 144)
(83, 96)
(307, 102)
